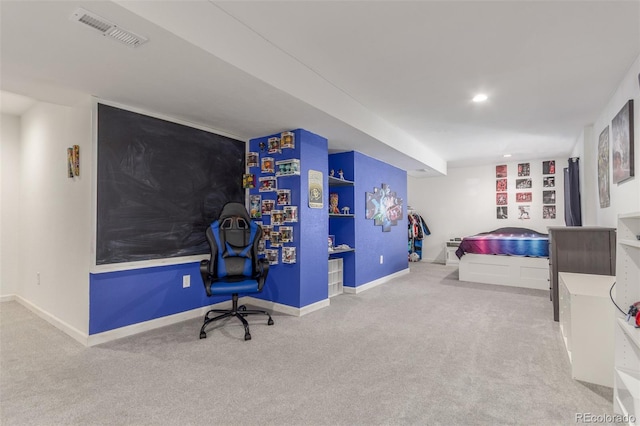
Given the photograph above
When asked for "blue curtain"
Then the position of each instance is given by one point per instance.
(572, 210)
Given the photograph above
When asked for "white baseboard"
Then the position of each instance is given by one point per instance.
(375, 283)
(285, 309)
(54, 321)
(130, 330)
(8, 298)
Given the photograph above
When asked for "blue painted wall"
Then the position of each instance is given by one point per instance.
(369, 240)
(118, 299)
(305, 282)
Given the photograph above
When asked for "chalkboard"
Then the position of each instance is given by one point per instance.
(160, 184)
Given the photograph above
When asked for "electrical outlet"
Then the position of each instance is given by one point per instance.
(186, 281)
(381, 259)
(38, 278)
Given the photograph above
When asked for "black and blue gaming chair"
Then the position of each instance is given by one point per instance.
(234, 267)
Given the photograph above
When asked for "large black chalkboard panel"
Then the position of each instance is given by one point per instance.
(160, 184)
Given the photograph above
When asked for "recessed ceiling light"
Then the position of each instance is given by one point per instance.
(480, 97)
(507, 155)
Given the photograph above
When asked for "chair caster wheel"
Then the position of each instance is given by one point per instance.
(270, 322)
(247, 336)
(203, 335)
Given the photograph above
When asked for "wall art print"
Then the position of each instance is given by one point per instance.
(524, 169)
(501, 171)
(501, 198)
(384, 207)
(548, 212)
(549, 167)
(603, 168)
(549, 181)
(502, 212)
(523, 197)
(501, 185)
(622, 150)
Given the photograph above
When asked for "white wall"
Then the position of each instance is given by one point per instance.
(625, 197)
(463, 203)
(55, 213)
(9, 201)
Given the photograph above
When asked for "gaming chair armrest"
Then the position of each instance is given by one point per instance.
(206, 276)
(263, 270)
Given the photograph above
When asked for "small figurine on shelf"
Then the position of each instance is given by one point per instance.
(345, 210)
(341, 174)
(332, 173)
(333, 203)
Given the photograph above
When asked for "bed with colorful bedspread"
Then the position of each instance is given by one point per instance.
(516, 257)
(506, 241)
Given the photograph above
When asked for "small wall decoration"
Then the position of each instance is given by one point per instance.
(523, 212)
(501, 171)
(549, 181)
(523, 183)
(73, 161)
(524, 197)
(267, 207)
(255, 206)
(548, 212)
(384, 207)
(268, 184)
(316, 190)
(286, 234)
(266, 232)
(549, 167)
(501, 198)
(501, 185)
(248, 180)
(603, 168)
(284, 197)
(548, 197)
(288, 167)
(291, 214)
(501, 212)
(622, 148)
(287, 140)
(524, 169)
(288, 255)
(261, 245)
(277, 217)
(252, 159)
(273, 145)
(272, 256)
(276, 239)
(267, 165)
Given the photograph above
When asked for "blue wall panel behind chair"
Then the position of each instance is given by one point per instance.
(122, 298)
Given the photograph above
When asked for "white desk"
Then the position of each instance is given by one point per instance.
(587, 325)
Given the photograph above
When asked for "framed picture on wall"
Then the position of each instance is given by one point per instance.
(523, 212)
(548, 197)
(501, 185)
(548, 212)
(549, 181)
(524, 169)
(549, 167)
(622, 144)
(523, 197)
(501, 171)
(603, 168)
(501, 198)
(501, 212)
(523, 183)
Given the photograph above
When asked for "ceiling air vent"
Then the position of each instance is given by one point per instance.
(107, 29)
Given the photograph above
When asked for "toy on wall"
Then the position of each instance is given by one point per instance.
(333, 203)
(73, 161)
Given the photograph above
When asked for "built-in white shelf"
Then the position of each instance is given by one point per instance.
(336, 251)
(626, 397)
(631, 331)
(631, 243)
(341, 215)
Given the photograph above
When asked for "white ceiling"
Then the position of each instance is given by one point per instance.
(391, 79)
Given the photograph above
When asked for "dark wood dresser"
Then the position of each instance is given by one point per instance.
(579, 249)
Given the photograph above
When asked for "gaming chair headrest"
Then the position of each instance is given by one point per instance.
(235, 226)
(232, 210)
